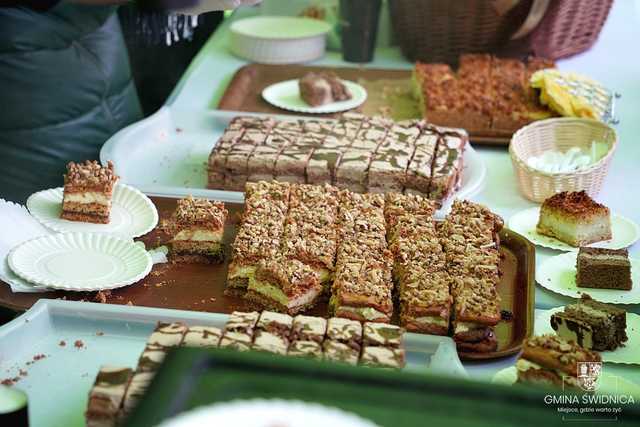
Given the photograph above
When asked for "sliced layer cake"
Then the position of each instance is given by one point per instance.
(591, 324)
(88, 189)
(197, 228)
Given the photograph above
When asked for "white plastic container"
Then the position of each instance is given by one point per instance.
(278, 39)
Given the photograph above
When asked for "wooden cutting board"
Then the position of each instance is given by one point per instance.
(388, 92)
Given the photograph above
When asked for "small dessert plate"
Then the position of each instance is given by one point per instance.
(607, 383)
(625, 232)
(627, 354)
(286, 95)
(132, 213)
(80, 261)
(558, 274)
(268, 412)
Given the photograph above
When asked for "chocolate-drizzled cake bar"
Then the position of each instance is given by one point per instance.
(238, 331)
(273, 332)
(105, 397)
(197, 230)
(88, 190)
(469, 236)
(362, 154)
(163, 338)
(307, 336)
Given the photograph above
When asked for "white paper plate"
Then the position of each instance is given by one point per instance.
(558, 274)
(625, 232)
(80, 261)
(268, 413)
(132, 213)
(286, 95)
(627, 354)
(607, 384)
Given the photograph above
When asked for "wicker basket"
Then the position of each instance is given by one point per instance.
(440, 30)
(560, 134)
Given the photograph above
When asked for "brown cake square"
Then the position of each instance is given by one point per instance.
(604, 269)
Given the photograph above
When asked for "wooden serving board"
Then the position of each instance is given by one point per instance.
(388, 92)
(201, 287)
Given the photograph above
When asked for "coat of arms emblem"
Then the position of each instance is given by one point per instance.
(588, 373)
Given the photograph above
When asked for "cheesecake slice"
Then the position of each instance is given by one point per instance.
(574, 218)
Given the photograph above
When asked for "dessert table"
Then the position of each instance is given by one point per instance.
(206, 79)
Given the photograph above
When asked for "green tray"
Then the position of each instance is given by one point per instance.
(190, 378)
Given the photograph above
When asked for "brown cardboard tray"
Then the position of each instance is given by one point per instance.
(201, 287)
(388, 93)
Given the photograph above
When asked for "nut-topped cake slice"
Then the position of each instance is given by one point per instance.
(260, 233)
(284, 285)
(574, 218)
(551, 360)
(197, 228)
(469, 237)
(88, 190)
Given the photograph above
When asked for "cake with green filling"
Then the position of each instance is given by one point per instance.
(197, 230)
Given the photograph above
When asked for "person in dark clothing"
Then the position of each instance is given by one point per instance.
(65, 86)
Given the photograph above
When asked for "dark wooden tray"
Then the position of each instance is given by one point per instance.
(388, 92)
(201, 287)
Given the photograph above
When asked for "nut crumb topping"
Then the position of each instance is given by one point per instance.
(200, 211)
(90, 174)
(574, 203)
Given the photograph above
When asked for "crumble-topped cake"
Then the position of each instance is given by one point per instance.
(553, 361)
(593, 325)
(88, 189)
(574, 218)
(318, 89)
(603, 269)
(486, 95)
(284, 285)
(198, 227)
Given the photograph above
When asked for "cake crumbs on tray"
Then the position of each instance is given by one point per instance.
(99, 333)
(78, 344)
(9, 381)
(23, 373)
(62, 343)
(101, 296)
